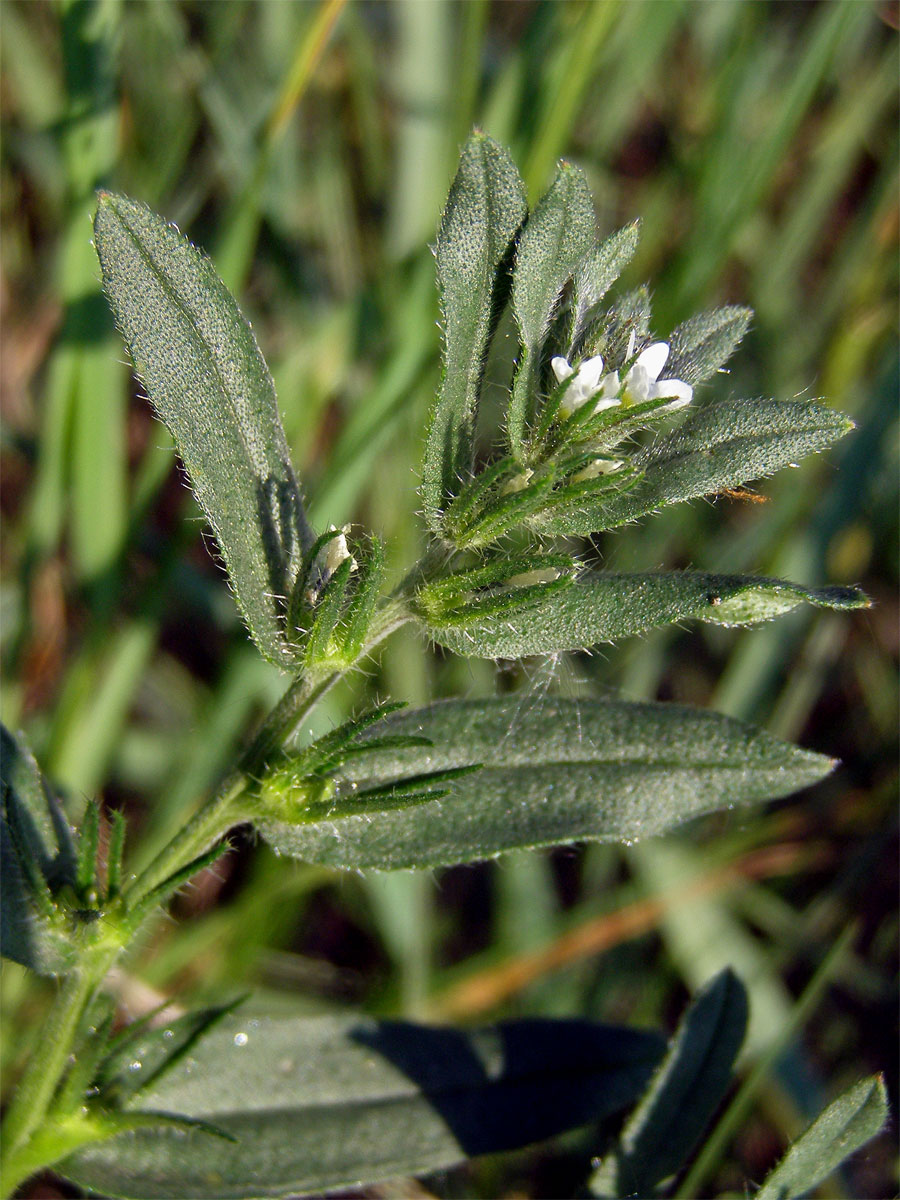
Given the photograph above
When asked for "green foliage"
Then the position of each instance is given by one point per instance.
(558, 235)
(543, 773)
(765, 170)
(318, 1104)
(683, 1095)
(599, 607)
(38, 861)
(842, 1129)
(485, 208)
(196, 356)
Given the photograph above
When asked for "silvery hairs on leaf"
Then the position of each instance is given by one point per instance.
(559, 771)
(484, 210)
(558, 235)
(197, 357)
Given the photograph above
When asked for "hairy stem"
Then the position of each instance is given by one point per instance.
(47, 1065)
(225, 809)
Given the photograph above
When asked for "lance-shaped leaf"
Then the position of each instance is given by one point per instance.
(558, 235)
(842, 1129)
(702, 344)
(198, 359)
(683, 1096)
(551, 771)
(723, 445)
(602, 607)
(485, 208)
(317, 1104)
(596, 275)
(37, 858)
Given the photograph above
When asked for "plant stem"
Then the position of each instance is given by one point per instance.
(37, 1088)
(224, 809)
(47, 1065)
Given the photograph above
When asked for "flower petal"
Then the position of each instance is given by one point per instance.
(681, 393)
(589, 373)
(561, 368)
(653, 359)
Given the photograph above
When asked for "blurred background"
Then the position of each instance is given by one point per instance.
(308, 147)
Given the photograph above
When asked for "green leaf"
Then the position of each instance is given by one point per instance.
(702, 344)
(206, 378)
(318, 1104)
(721, 445)
(846, 1125)
(683, 1095)
(37, 858)
(556, 238)
(596, 275)
(552, 771)
(140, 1056)
(485, 209)
(601, 607)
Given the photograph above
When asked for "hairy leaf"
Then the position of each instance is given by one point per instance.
(702, 344)
(558, 235)
(485, 208)
(683, 1094)
(206, 378)
(37, 857)
(323, 1103)
(722, 445)
(845, 1126)
(602, 607)
(597, 273)
(550, 771)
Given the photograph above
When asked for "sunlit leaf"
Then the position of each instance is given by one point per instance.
(551, 771)
(721, 445)
(558, 235)
(485, 208)
(198, 359)
(601, 607)
(705, 342)
(845, 1126)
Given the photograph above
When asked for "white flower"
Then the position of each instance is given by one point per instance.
(327, 560)
(600, 466)
(517, 483)
(643, 383)
(333, 553)
(587, 383)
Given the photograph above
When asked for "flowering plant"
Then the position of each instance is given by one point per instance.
(587, 444)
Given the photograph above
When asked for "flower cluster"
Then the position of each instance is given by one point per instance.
(641, 383)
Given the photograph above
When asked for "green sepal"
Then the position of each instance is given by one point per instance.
(439, 598)
(86, 884)
(357, 619)
(328, 611)
(114, 854)
(504, 512)
(165, 890)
